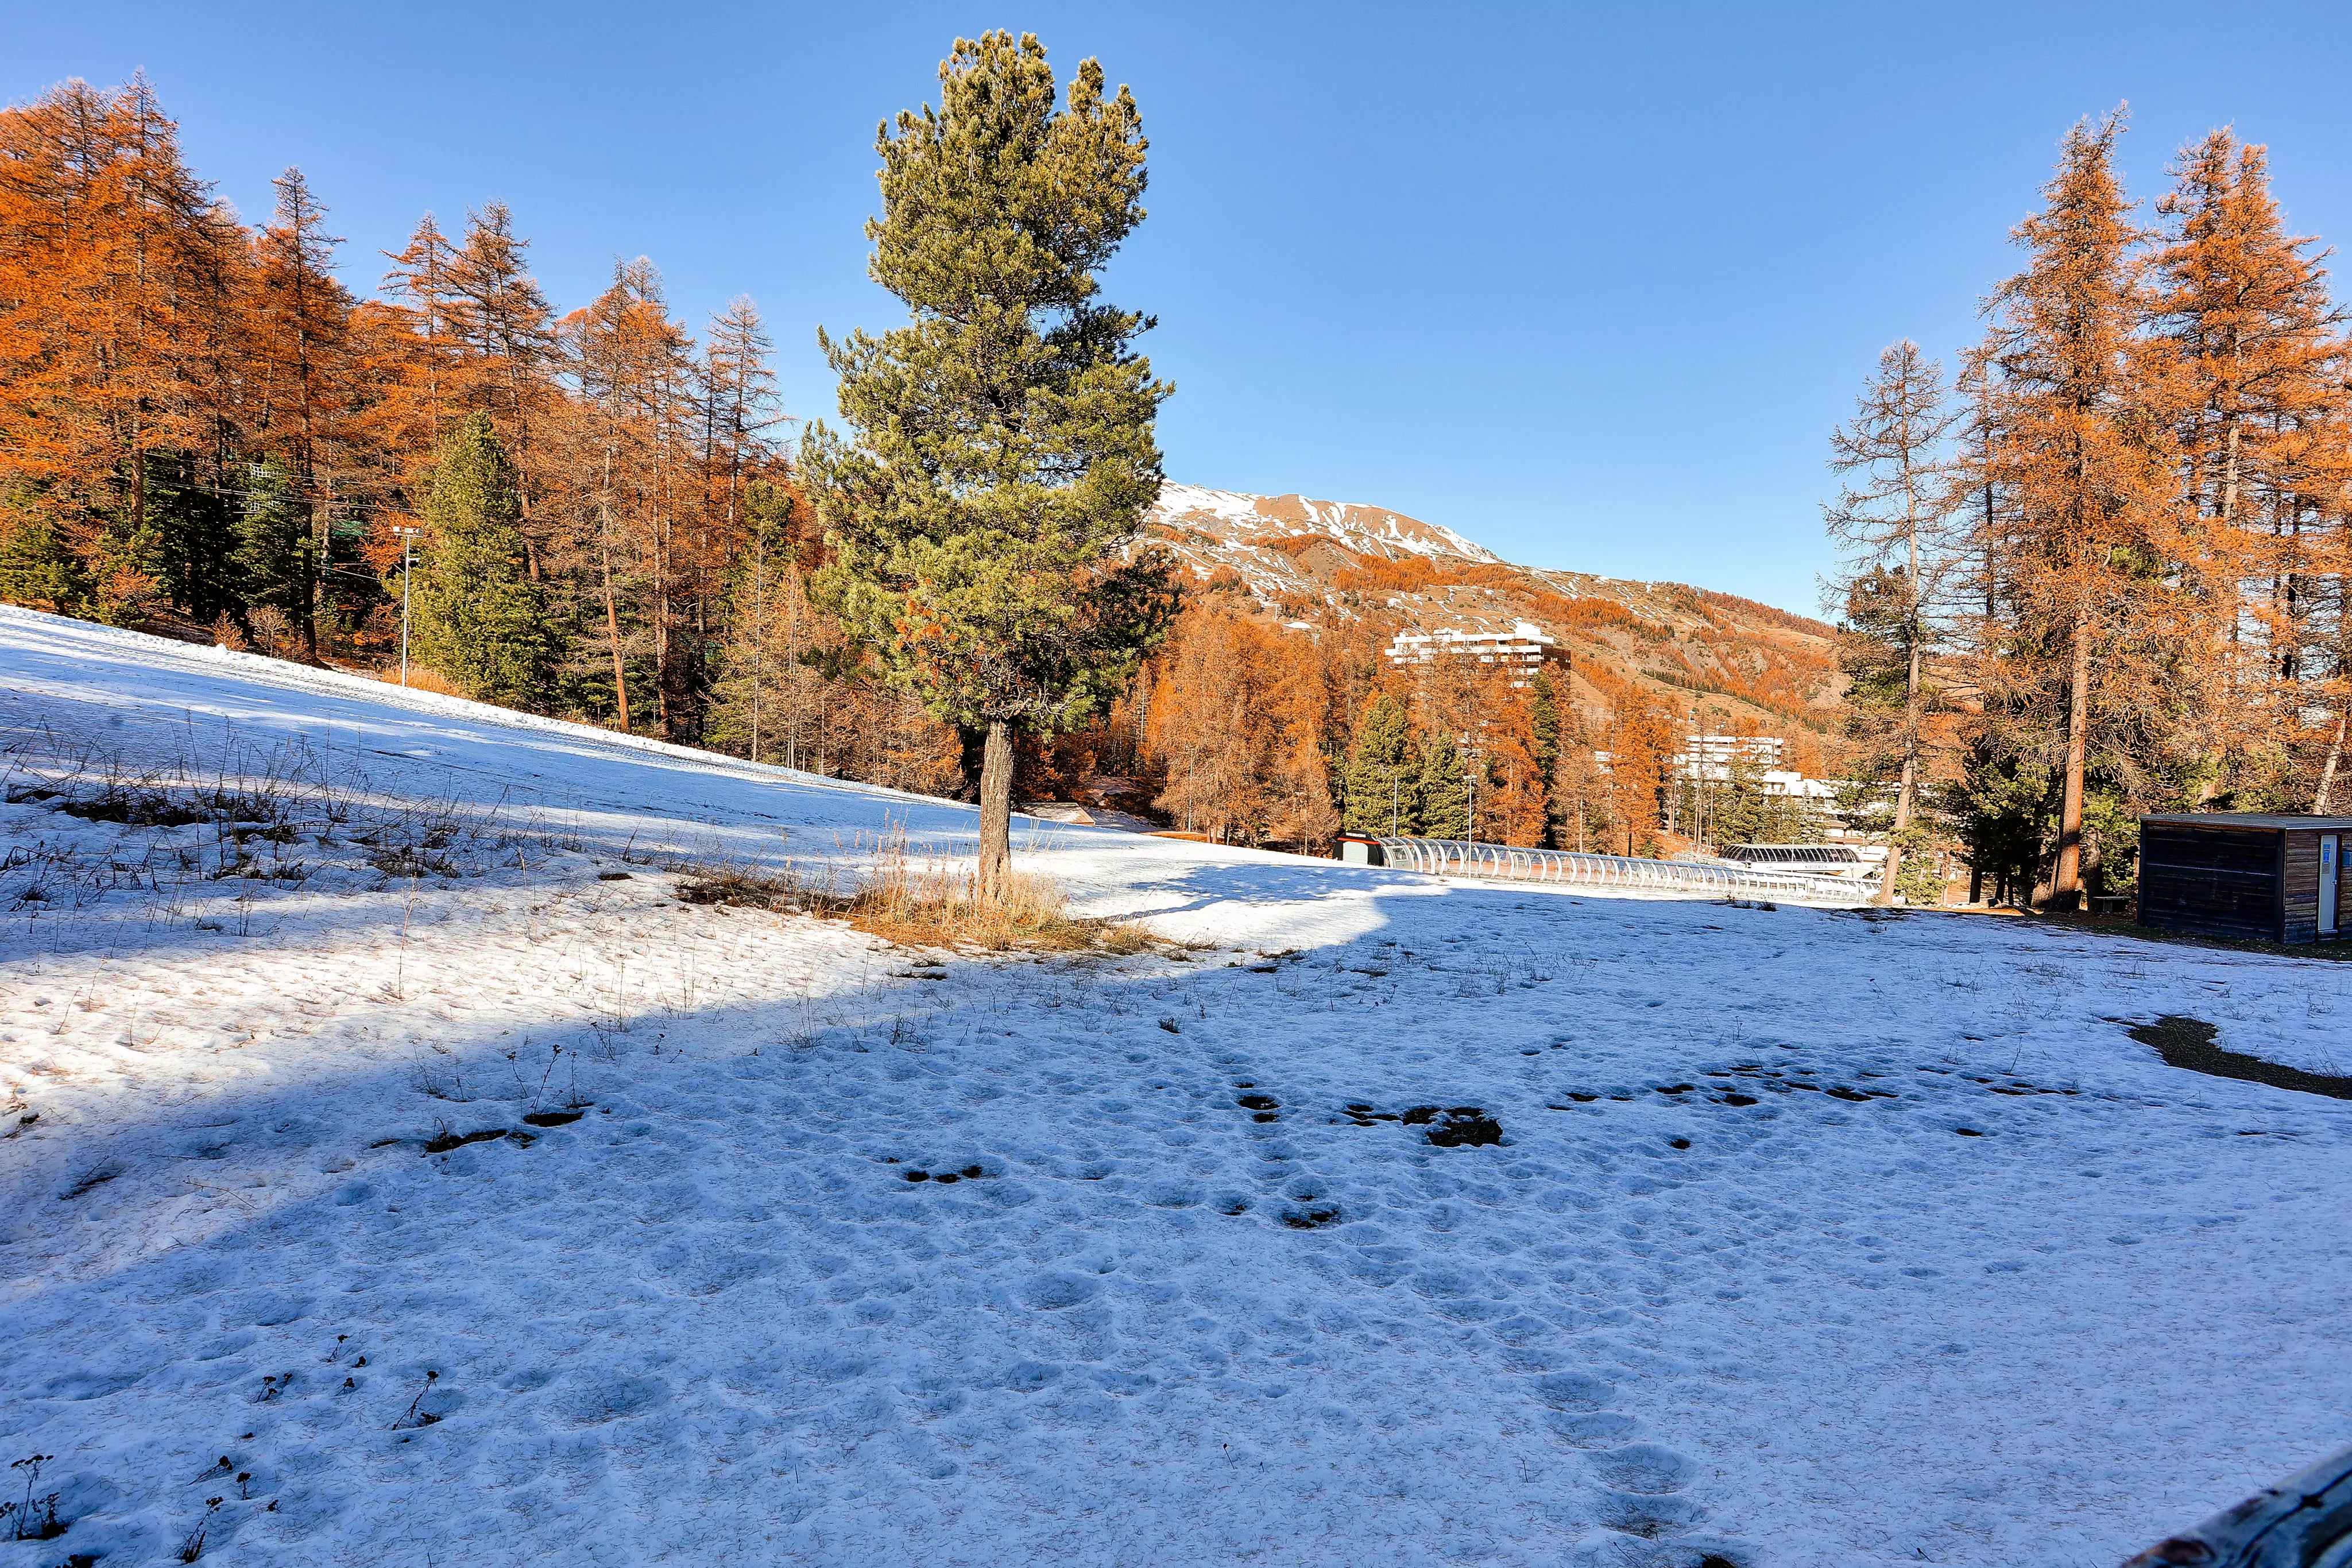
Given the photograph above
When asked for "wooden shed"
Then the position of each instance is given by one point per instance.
(2244, 873)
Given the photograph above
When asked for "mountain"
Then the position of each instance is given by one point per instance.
(1307, 561)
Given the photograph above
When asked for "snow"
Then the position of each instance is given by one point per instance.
(713, 1321)
(1352, 523)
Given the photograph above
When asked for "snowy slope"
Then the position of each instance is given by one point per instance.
(1789, 1314)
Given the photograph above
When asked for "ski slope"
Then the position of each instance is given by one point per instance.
(1811, 1238)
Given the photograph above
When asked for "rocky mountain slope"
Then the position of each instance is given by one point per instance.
(1305, 561)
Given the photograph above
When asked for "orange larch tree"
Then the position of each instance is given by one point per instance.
(2095, 653)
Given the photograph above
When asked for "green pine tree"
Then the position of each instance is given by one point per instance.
(198, 526)
(1545, 707)
(479, 617)
(1384, 774)
(1001, 453)
(1444, 791)
(36, 568)
(271, 560)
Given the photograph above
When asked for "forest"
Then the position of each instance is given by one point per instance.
(2098, 570)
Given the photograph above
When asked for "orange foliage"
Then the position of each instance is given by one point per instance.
(1236, 728)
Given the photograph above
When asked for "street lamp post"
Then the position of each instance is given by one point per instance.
(407, 541)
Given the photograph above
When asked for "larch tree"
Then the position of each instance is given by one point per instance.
(1514, 804)
(119, 277)
(302, 326)
(1211, 727)
(1001, 455)
(2083, 458)
(1643, 739)
(1893, 518)
(426, 376)
(2261, 438)
(633, 367)
(511, 354)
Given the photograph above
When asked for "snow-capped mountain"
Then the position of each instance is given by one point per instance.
(1297, 557)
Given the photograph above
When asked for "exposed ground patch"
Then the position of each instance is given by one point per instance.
(2187, 1042)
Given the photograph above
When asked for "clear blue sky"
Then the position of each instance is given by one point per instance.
(1588, 284)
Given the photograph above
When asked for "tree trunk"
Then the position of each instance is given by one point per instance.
(1895, 839)
(996, 811)
(2066, 886)
(1907, 791)
(613, 633)
(2328, 773)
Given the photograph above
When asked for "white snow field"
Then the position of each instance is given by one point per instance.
(1736, 1286)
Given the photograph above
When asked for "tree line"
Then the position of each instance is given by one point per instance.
(1259, 734)
(2103, 569)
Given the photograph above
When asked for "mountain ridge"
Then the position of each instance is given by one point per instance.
(1307, 561)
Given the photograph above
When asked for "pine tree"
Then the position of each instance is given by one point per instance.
(1545, 717)
(1383, 774)
(479, 617)
(1893, 517)
(1003, 453)
(273, 543)
(1443, 788)
(36, 568)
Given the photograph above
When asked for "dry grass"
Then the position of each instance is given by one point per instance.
(931, 905)
(421, 679)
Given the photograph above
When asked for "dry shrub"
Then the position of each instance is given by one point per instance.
(421, 679)
(931, 905)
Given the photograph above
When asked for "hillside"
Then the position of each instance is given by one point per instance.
(398, 1169)
(1300, 558)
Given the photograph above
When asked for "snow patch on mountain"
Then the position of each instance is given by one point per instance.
(1238, 517)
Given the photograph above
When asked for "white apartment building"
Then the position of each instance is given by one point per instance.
(1525, 647)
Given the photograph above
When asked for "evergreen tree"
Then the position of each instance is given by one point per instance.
(199, 537)
(1003, 453)
(1383, 783)
(273, 536)
(1544, 707)
(127, 568)
(36, 568)
(479, 618)
(1445, 790)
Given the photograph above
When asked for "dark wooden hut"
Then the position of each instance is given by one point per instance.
(2244, 873)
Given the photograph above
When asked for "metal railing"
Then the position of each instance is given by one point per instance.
(1453, 857)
